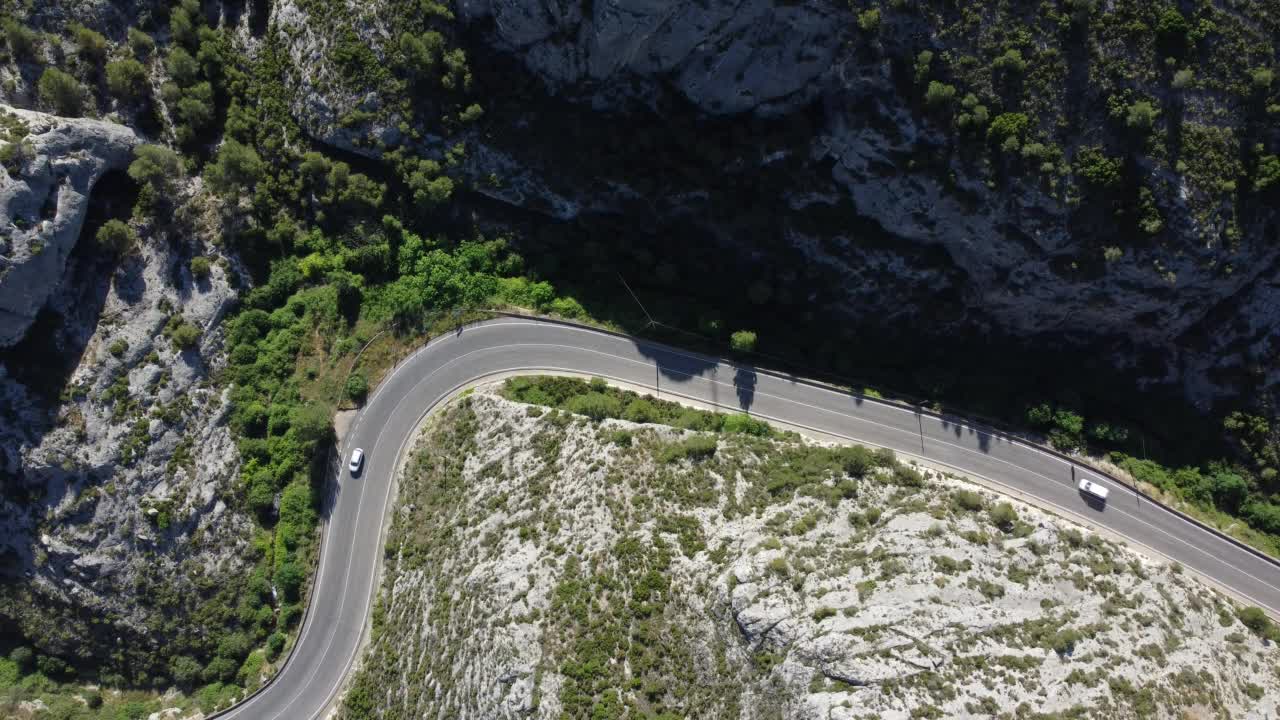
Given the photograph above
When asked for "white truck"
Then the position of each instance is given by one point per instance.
(1092, 488)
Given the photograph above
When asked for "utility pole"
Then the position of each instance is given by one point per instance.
(920, 424)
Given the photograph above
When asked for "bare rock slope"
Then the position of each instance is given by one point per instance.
(43, 200)
(113, 492)
(543, 565)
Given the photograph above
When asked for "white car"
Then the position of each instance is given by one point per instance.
(357, 459)
(1093, 489)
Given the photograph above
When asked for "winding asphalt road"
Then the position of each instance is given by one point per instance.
(341, 600)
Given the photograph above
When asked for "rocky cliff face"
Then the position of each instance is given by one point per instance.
(546, 566)
(1011, 257)
(43, 202)
(782, 143)
(112, 504)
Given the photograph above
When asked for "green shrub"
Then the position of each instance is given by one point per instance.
(21, 40)
(155, 165)
(745, 424)
(1100, 172)
(116, 237)
(1141, 116)
(118, 348)
(1008, 126)
(90, 44)
(289, 580)
(1256, 620)
(200, 267)
(61, 92)
(357, 387)
(185, 670)
(698, 447)
(275, 645)
(126, 79)
(823, 613)
(235, 168)
(24, 658)
(1003, 516)
(595, 405)
(184, 335)
(742, 341)
(869, 20)
(939, 95)
(141, 43)
(968, 500)
(907, 477)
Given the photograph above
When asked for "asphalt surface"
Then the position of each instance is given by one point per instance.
(355, 509)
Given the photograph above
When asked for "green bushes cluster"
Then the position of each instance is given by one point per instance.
(60, 92)
(598, 400)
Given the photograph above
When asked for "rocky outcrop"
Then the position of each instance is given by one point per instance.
(43, 206)
(541, 564)
(113, 495)
(872, 190)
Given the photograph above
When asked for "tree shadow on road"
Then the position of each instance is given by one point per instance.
(744, 385)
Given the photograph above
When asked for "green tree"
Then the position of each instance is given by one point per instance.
(1010, 64)
(357, 387)
(869, 21)
(200, 267)
(1141, 116)
(235, 168)
(1268, 174)
(1172, 32)
(1261, 79)
(311, 424)
(924, 63)
(289, 580)
(91, 46)
(23, 657)
(183, 69)
(1100, 172)
(185, 670)
(155, 165)
(126, 79)
(141, 43)
(185, 335)
(939, 95)
(61, 92)
(116, 237)
(195, 109)
(183, 22)
(974, 116)
(743, 341)
(21, 40)
(422, 53)
(1008, 126)
(1229, 490)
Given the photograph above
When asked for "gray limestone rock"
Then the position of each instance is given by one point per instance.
(42, 208)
